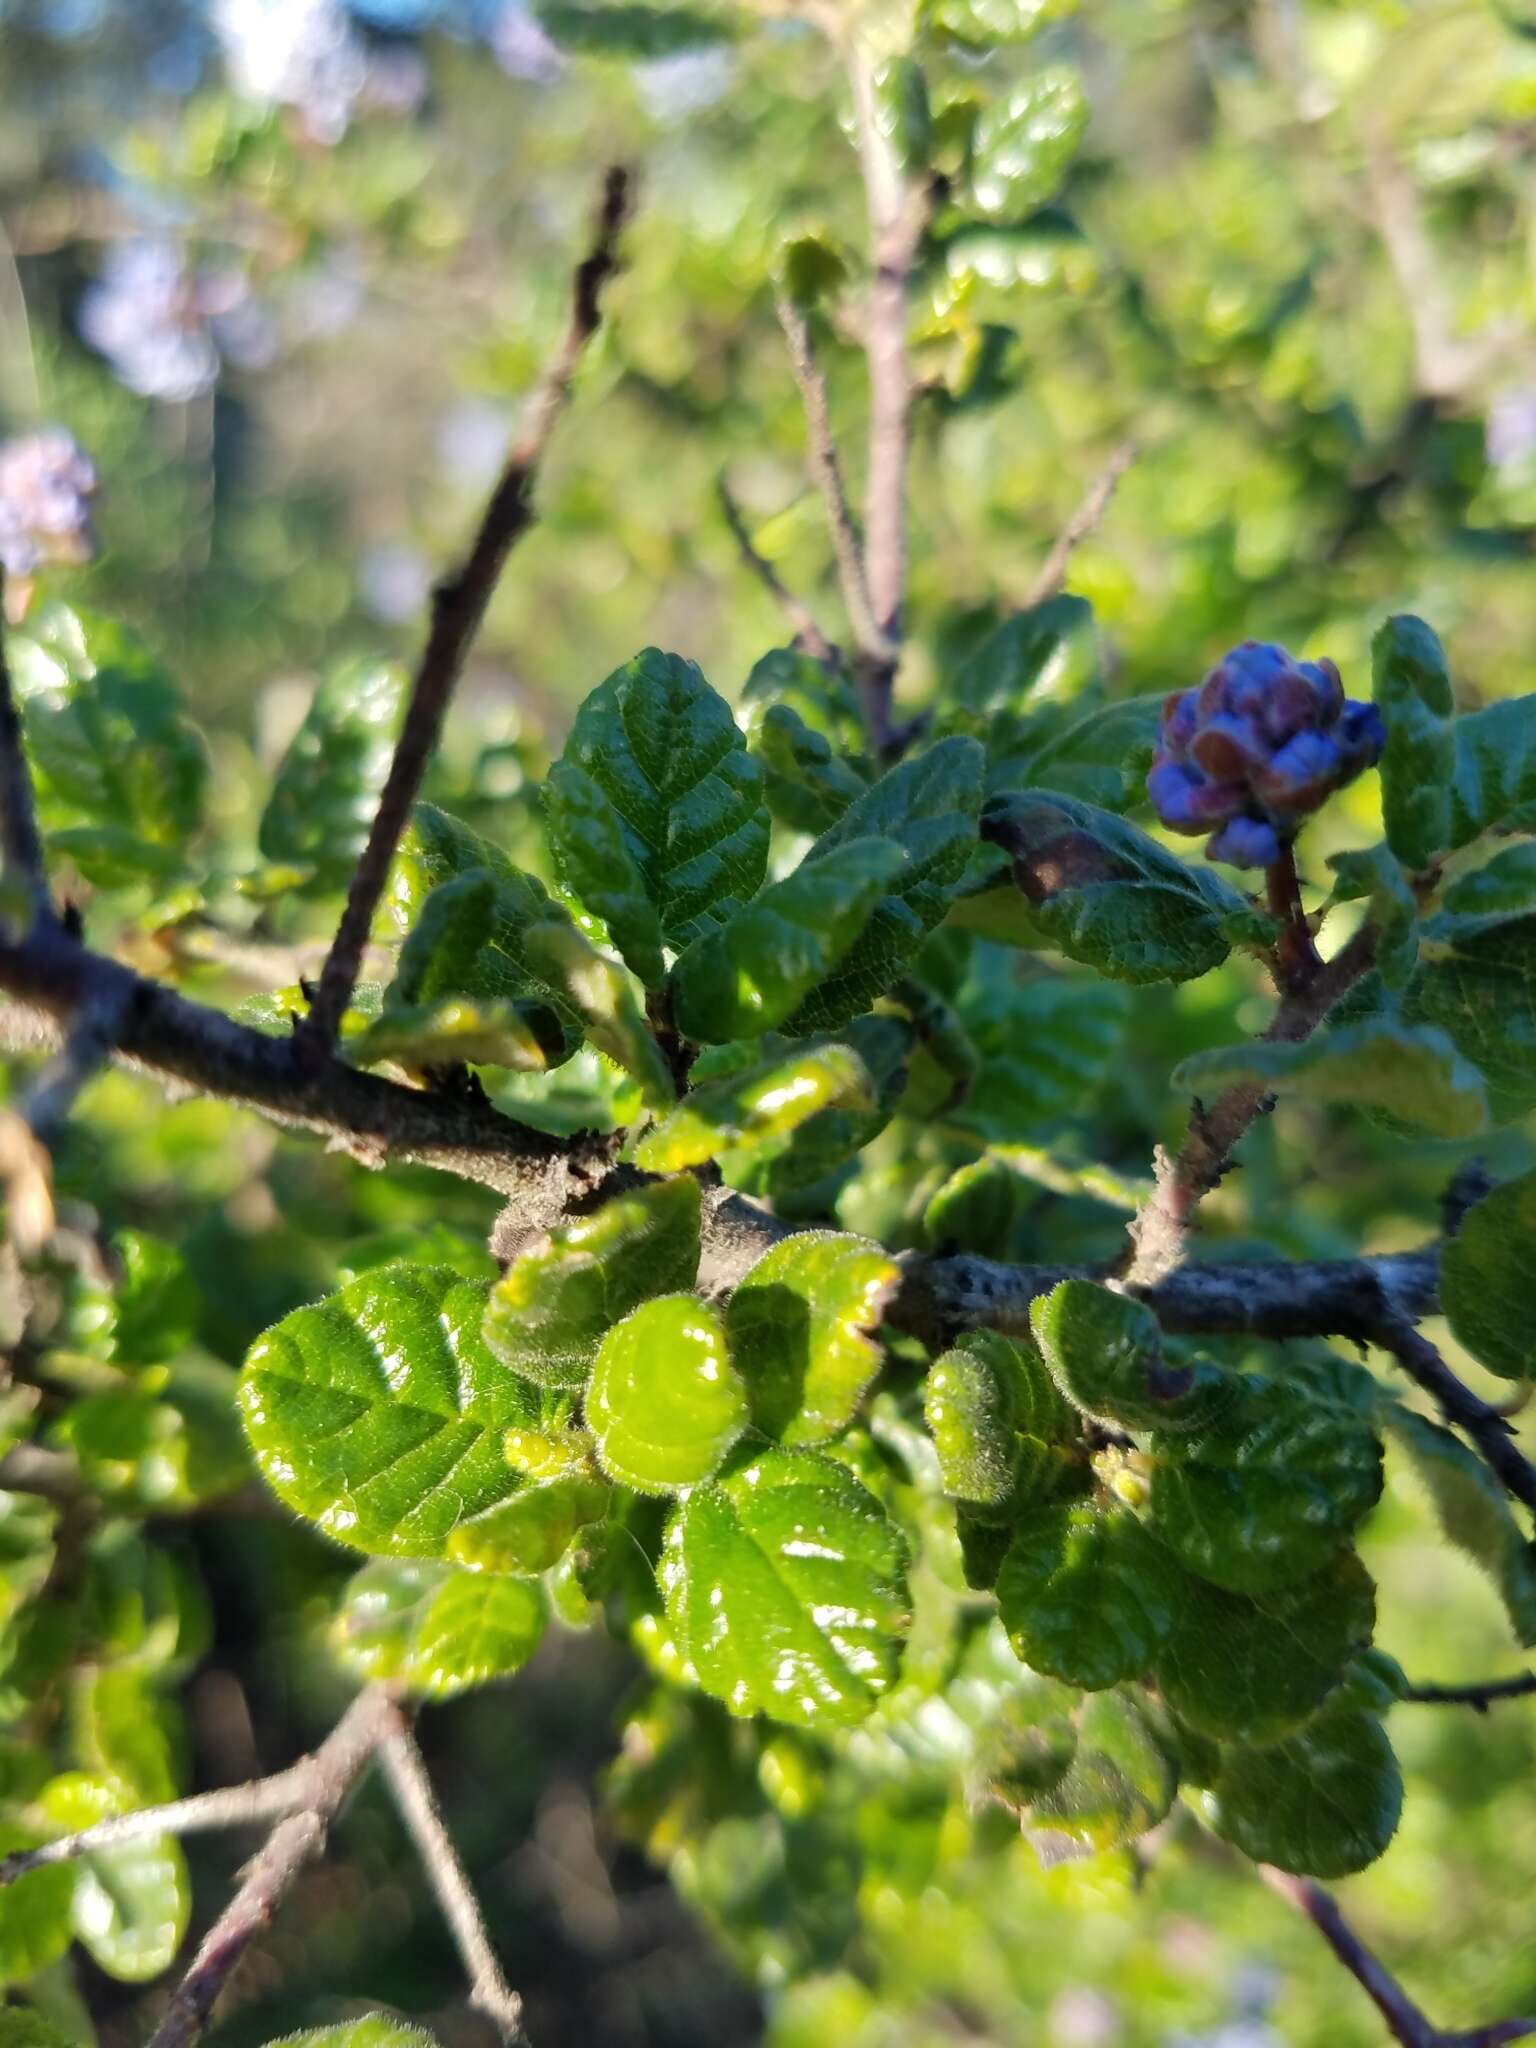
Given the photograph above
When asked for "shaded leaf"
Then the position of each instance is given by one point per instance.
(1413, 1072)
(1485, 1279)
(1473, 1512)
(1413, 688)
(35, 1925)
(586, 836)
(435, 1629)
(1120, 1782)
(628, 29)
(598, 991)
(1322, 1804)
(808, 785)
(798, 1327)
(1087, 1595)
(327, 785)
(1038, 649)
(1476, 980)
(1494, 782)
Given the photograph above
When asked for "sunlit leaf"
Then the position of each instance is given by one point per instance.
(435, 1629)
(798, 1326)
(665, 1402)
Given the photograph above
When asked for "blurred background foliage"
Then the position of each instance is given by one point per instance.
(289, 294)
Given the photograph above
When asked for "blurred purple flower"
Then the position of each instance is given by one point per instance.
(393, 581)
(143, 314)
(1256, 747)
(522, 46)
(472, 442)
(47, 482)
(303, 54)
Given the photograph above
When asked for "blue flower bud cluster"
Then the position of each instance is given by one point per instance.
(1255, 748)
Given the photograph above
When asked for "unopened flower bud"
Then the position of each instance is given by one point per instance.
(46, 484)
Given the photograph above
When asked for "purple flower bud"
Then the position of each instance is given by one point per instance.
(46, 484)
(1245, 843)
(1300, 775)
(1186, 798)
(1229, 748)
(1362, 735)
(1181, 717)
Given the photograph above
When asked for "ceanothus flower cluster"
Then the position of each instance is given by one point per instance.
(1255, 748)
(47, 482)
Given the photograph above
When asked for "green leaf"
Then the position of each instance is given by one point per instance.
(1087, 1595)
(1267, 1491)
(627, 29)
(1414, 1073)
(376, 2031)
(784, 1582)
(665, 1403)
(35, 1925)
(475, 1029)
(1099, 757)
(1025, 143)
(379, 1414)
(665, 751)
(1476, 980)
(599, 992)
(808, 786)
(1494, 786)
(1371, 873)
(750, 973)
(165, 1441)
(1485, 1280)
(822, 699)
(327, 785)
(27, 1524)
(1102, 892)
(1324, 1803)
(151, 1312)
(978, 24)
(797, 1326)
(131, 1903)
(1045, 1044)
(1473, 1512)
(561, 1295)
(1413, 688)
(109, 741)
(142, 1604)
(927, 806)
(20, 2027)
(1121, 1782)
(1502, 887)
(998, 1424)
(1105, 1353)
(586, 836)
(1253, 1667)
(808, 268)
(435, 1629)
(757, 1104)
(123, 1731)
(1047, 648)
(901, 112)
(976, 1209)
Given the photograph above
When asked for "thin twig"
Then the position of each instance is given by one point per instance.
(827, 469)
(1084, 521)
(1405, 2022)
(21, 848)
(1479, 1697)
(1478, 1421)
(799, 614)
(458, 606)
(488, 1988)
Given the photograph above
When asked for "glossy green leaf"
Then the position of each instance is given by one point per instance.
(109, 741)
(980, 23)
(800, 1164)
(1413, 688)
(1087, 1595)
(665, 1402)
(1105, 1353)
(1120, 1782)
(666, 752)
(1414, 1073)
(1322, 1804)
(131, 1903)
(798, 1327)
(629, 29)
(750, 973)
(149, 1311)
(327, 785)
(479, 1030)
(380, 1413)
(597, 865)
(1485, 1279)
(1001, 1430)
(561, 1295)
(1494, 784)
(755, 1105)
(807, 784)
(785, 1584)
(1025, 143)
(1269, 1490)
(1473, 1511)
(35, 1927)
(598, 991)
(1251, 1668)
(927, 806)
(435, 1629)
(1102, 892)
(1034, 650)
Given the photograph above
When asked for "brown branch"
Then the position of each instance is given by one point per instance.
(458, 607)
(1405, 2022)
(1481, 1423)
(1479, 1697)
(1084, 521)
(826, 467)
(800, 616)
(489, 1990)
(21, 849)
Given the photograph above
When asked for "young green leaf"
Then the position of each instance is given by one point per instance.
(165, 1441)
(976, 1209)
(586, 836)
(747, 976)
(1100, 756)
(1324, 1803)
(665, 751)
(755, 1105)
(1121, 1782)
(379, 1414)
(798, 1327)
(1026, 142)
(1485, 1280)
(1087, 1595)
(807, 784)
(327, 785)
(559, 1297)
(1476, 980)
(149, 1312)
(665, 1402)
(1048, 648)
(1003, 1434)
(1414, 1073)
(35, 1925)
(376, 2031)
(1413, 688)
(785, 1583)
(1251, 1668)
(598, 991)
(1267, 1491)
(1102, 892)
(1494, 785)
(436, 1629)
(1105, 1353)
(131, 1903)
(1473, 1512)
